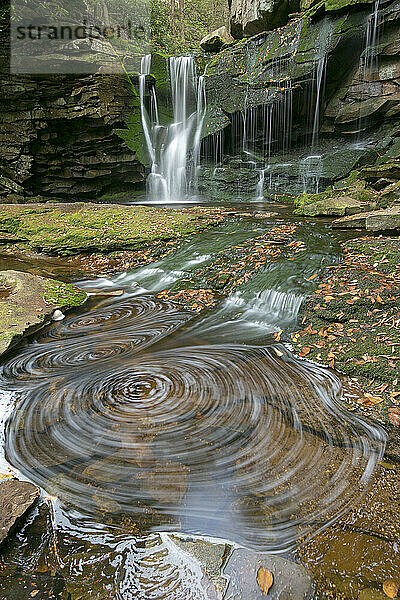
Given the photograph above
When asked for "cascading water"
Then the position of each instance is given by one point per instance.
(368, 62)
(320, 75)
(157, 421)
(310, 173)
(173, 171)
(147, 129)
(311, 167)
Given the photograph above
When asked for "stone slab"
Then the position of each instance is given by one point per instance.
(378, 220)
(291, 581)
(29, 300)
(16, 498)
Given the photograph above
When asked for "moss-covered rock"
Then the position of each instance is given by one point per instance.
(65, 229)
(27, 300)
(349, 322)
(342, 205)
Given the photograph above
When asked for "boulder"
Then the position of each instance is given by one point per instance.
(391, 193)
(344, 205)
(211, 557)
(291, 580)
(216, 40)
(339, 163)
(16, 498)
(249, 17)
(27, 300)
(387, 219)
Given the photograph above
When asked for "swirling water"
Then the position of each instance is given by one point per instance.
(141, 419)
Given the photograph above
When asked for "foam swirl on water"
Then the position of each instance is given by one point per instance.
(241, 442)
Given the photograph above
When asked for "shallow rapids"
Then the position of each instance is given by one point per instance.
(123, 412)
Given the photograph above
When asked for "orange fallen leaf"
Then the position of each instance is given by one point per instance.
(373, 399)
(391, 588)
(394, 415)
(265, 579)
(305, 350)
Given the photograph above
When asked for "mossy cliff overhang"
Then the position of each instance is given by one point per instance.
(251, 17)
(253, 71)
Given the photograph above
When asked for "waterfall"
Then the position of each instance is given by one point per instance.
(310, 173)
(148, 134)
(368, 61)
(260, 185)
(320, 71)
(368, 58)
(173, 171)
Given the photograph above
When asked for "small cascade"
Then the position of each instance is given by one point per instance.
(369, 56)
(147, 129)
(173, 171)
(310, 173)
(261, 185)
(311, 167)
(320, 72)
(368, 61)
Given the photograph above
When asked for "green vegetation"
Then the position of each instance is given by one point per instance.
(62, 294)
(65, 229)
(350, 321)
(178, 26)
(28, 300)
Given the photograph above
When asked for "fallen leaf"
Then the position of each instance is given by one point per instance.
(305, 350)
(394, 415)
(265, 579)
(391, 588)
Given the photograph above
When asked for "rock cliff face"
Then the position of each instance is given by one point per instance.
(310, 101)
(249, 17)
(68, 136)
(319, 71)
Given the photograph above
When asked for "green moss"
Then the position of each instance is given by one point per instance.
(133, 136)
(62, 294)
(334, 5)
(306, 199)
(9, 224)
(359, 338)
(343, 183)
(68, 229)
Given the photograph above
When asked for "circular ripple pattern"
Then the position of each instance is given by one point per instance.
(240, 442)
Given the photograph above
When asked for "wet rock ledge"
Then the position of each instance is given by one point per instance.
(16, 498)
